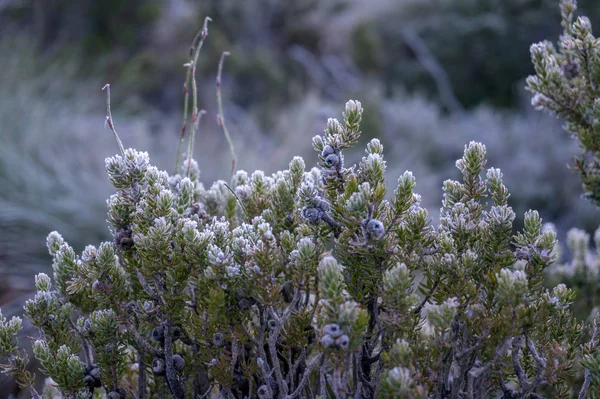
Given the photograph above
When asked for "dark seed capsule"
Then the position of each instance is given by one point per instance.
(327, 341)
(327, 150)
(158, 333)
(332, 160)
(89, 381)
(158, 366)
(178, 362)
(263, 392)
(95, 372)
(332, 329)
(323, 205)
(272, 324)
(311, 214)
(343, 342)
(176, 334)
(218, 339)
(375, 228)
(97, 285)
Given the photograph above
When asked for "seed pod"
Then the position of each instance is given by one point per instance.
(327, 341)
(263, 392)
(124, 238)
(332, 160)
(158, 366)
(158, 334)
(97, 285)
(95, 372)
(176, 334)
(311, 214)
(272, 324)
(375, 228)
(218, 339)
(343, 342)
(89, 381)
(327, 150)
(178, 362)
(333, 329)
(323, 205)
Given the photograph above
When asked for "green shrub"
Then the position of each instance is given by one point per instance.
(566, 84)
(305, 283)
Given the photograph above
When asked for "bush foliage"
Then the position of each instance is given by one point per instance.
(306, 283)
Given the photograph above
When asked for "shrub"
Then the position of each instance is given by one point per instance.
(580, 273)
(566, 84)
(305, 284)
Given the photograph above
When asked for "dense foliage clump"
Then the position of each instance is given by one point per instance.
(305, 283)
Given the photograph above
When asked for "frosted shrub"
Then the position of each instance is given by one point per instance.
(310, 282)
(304, 283)
(566, 84)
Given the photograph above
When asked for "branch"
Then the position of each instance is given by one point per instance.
(141, 375)
(191, 72)
(521, 375)
(304, 380)
(429, 294)
(175, 385)
(540, 364)
(220, 116)
(272, 342)
(109, 119)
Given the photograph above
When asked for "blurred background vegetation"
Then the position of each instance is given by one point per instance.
(431, 74)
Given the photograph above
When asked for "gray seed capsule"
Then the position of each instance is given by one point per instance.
(158, 366)
(327, 150)
(375, 228)
(343, 342)
(327, 341)
(218, 339)
(333, 329)
(332, 160)
(178, 362)
(323, 205)
(263, 392)
(272, 324)
(158, 333)
(311, 214)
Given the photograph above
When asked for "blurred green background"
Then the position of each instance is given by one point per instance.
(431, 74)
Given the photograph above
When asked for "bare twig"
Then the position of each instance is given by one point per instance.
(521, 375)
(109, 119)
(191, 72)
(196, 117)
(220, 116)
(208, 391)
(238, 200)
(266, 375)
(540, 364)
(141, 375)
(174, 382)
(304, 380)
(272, 342)
(426, 299)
